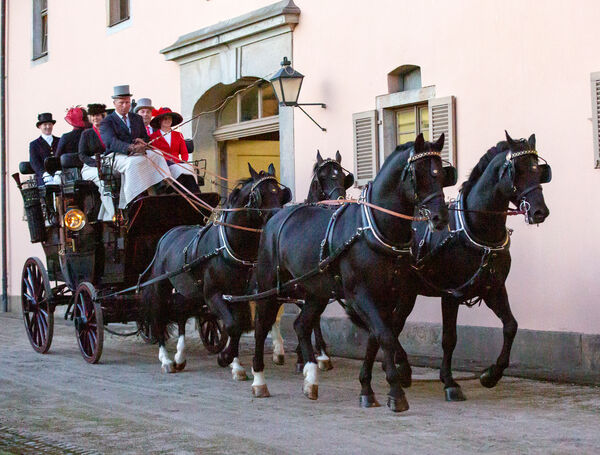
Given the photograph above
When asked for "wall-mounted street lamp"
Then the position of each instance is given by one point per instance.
(287, 83)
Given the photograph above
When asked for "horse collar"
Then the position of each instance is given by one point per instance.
(461, 225)
(227, 247)
(369, 224)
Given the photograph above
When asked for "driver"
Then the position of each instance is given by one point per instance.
(125, 136)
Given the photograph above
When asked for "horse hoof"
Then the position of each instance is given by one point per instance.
(260, 391)
(168, 368)
(222, 361)
(325, 365)
(239, 375)
(180, 366)
(488, 378)
(368, 401)
(299, 368)
(454, 394)
(405, 375)
(311, 391)
(397, 404)
(278, 359)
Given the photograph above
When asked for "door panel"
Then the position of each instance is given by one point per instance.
(258, 153)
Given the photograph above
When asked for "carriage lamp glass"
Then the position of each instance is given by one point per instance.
(74, 219)
(287, 83)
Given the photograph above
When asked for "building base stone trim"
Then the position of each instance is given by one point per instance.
(536, 354)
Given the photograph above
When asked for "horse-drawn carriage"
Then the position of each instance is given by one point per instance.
(95, 266)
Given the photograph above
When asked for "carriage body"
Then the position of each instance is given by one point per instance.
(92, 263)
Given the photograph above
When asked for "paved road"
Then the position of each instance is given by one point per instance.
(56, 403)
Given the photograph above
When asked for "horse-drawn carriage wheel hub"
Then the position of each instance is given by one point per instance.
(80, 323)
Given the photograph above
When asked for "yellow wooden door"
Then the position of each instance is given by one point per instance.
(258, 153)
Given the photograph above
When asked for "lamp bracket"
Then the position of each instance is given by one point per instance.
(313, 120)
(323, 105)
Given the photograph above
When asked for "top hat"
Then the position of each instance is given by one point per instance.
(121, 91)
(157, 115)
(143, 103)
(96, 108)
(44, 118)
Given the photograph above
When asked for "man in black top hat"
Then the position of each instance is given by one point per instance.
(43, 147)
(125, 137)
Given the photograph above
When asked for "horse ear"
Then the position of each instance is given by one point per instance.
(531, 142)
(419, 143)
(271, 169)
(319, 158)
(511, 142)
(338, 157)
(439, 144)
(253, 173)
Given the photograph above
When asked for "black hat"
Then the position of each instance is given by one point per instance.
(96, 108)
(44, 118)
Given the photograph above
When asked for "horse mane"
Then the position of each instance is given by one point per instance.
(241, 183)
(486, 159)
(400, 148)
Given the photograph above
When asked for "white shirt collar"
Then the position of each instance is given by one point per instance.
(167, 138)
(48, 139)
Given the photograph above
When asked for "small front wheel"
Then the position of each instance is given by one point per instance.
(89, 326)
(212, 333)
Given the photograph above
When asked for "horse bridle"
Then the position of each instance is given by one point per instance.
(315, 177)
(409, 169)
(509, 167)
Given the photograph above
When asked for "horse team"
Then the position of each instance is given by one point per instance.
(374, 256)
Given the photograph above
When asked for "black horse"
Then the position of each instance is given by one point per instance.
(328, 182)
(471, 261)
(356, 253)
(217, 258)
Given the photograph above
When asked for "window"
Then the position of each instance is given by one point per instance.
(40, 28)
(595, 79)
(118, 11)
(255, 103)
(410, 122)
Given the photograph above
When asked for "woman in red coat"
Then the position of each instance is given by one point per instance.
(172, 144)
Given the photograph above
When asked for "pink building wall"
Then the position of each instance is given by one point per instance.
(514, 65)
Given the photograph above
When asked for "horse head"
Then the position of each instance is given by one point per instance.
(329, 180)
(418, 177)
(521, 177)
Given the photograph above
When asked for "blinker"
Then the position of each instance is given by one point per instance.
(449, 176)
(545, 173)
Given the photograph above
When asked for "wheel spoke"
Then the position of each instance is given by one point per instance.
(35, 333)
(92, 346)
(42, 327)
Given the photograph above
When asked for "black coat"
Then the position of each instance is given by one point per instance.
(69, 142)
(39, 150)
(115, 134)
(89, 145)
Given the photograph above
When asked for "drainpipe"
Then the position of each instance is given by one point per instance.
(3, 153)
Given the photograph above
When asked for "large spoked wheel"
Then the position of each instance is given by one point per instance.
(38, 312)
(89, 327)
(212, 333)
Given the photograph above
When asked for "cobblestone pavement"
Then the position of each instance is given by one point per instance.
(56, 403)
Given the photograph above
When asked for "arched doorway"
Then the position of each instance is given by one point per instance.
(241, 126)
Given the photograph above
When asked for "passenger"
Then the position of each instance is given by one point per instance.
(144, 108)
(172, 144)
(69, 142)
(43, 147)
(91, 145)
(125, 136)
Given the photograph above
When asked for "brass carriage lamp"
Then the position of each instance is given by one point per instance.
(287, 83)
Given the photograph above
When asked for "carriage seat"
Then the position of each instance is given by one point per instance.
(71, 167)
(25, 168)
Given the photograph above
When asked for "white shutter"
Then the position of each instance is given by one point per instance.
(595, 79)
(442, 119)
(364, 128)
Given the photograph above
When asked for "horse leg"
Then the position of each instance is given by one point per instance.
(299, 359)
(322, 358)
(452, 390)
(403, 310)
(385, 336)
(367, 396)
(266, 314)
(498, 303)
(303, 326)
(158, 299)
(235, 322)
(180, 359)
(278, 349)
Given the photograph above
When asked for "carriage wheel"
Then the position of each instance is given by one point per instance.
(213, 335)
(89, 327)
(38, 313)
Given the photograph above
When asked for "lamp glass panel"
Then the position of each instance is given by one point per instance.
(291, 89)
(277, 88)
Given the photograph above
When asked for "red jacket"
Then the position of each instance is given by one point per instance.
(177, 148)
